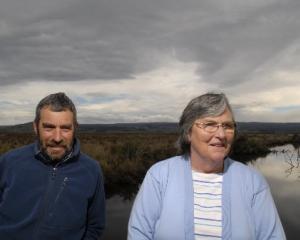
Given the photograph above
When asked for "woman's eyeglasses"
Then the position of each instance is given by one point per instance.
(212, 127)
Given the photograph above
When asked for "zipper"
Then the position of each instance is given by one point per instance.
(62, 187)
(45, 201)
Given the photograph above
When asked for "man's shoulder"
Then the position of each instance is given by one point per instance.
(89, 163)
(87, 159)
(17, 156)
(84, 159)
(19, 152)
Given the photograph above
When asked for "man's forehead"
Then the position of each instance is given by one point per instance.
(50, 110)
(47, 115)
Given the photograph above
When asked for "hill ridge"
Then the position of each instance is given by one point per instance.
(265, 127)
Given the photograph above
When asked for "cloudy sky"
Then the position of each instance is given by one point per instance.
(143, 60)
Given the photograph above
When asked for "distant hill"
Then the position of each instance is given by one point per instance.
(20, 128)
(268, 127)
(263, 127)
(116, 127)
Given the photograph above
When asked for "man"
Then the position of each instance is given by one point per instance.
(49, 189)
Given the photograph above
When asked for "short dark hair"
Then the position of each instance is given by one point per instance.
(206, 105)
(57, 102)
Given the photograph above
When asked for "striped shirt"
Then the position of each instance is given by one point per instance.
(207, 205)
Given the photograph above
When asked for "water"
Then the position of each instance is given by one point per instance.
(117, 215)
(282, 171)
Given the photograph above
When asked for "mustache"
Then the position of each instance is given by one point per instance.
(56, 144)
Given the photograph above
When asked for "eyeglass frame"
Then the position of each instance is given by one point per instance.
(224, 125)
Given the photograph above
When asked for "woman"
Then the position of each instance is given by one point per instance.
(203, 194)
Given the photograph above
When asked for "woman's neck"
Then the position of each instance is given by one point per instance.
(206, 166)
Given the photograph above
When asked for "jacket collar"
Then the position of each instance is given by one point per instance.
(71, 156)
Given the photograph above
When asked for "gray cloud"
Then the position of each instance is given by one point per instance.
(113, 39)
(236, 46)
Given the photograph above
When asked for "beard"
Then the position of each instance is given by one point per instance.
(55, 151)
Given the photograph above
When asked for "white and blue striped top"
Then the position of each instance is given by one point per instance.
(207, 205)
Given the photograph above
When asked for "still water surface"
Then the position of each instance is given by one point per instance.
(282, 171)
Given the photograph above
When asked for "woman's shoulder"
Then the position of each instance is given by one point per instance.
(163, 168)
(167, 163)
(234, 165)
(246, 174)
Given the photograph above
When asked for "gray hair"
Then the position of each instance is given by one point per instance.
(57, 102)
(206, 105)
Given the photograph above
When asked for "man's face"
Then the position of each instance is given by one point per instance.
(55, 131)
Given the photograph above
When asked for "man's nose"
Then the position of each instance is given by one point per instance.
(57, 136)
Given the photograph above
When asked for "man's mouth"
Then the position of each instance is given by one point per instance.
(56, 147)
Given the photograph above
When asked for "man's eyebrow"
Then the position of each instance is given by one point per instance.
(48, 125)
(68, 126)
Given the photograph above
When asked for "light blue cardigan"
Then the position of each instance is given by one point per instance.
(163, 208)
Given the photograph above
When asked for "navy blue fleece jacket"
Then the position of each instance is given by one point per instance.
(42, 201)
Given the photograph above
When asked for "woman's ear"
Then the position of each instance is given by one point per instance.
(189, 135)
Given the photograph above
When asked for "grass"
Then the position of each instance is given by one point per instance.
(125, 157)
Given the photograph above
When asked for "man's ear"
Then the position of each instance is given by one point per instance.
(35, 127)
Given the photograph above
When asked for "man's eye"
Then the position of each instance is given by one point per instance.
(66, 129)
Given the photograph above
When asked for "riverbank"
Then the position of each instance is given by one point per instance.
(125, 157)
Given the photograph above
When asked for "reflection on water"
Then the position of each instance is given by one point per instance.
(282, 170)
(117, 214)
(292, 158)
(283, 162)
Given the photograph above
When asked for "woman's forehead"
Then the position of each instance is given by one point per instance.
(226, 114)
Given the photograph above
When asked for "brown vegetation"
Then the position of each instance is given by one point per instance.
(125, 157)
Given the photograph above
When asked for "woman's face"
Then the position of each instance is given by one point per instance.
(211, 139)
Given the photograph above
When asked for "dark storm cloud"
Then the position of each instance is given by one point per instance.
(115, 39)
(235, 45)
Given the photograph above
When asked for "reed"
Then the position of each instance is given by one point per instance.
(125, 157)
